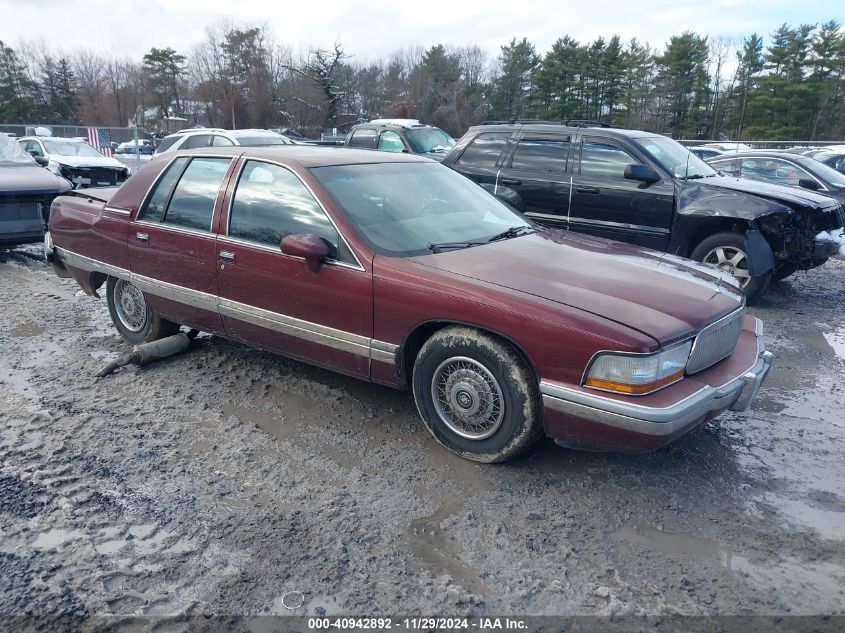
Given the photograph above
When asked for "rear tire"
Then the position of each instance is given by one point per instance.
(729, 252)
(132, 315)
(476, 395)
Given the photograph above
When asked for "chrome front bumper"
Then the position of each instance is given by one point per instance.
(736, 395)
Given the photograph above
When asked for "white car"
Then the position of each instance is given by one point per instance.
(77, 161)
(215, 137)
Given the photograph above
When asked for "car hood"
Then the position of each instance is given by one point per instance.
(663, 296)
(791, 196)
(87, 161)
(30, 179)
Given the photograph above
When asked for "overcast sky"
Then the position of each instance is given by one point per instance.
(373, 28)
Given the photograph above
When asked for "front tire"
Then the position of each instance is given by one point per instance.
(729, 252)
(132, 315)
(476, 395)
(784, 270)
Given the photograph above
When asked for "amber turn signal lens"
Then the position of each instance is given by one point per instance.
(635, 390)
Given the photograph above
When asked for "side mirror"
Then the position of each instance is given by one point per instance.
(643, 173)
(310, 247)
(43, 162)
(808, 183)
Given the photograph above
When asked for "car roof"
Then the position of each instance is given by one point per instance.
(561, 127)
(767, 153)
(307, 155)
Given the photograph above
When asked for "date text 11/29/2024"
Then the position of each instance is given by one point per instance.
(418, 624)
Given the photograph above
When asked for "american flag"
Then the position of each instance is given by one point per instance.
(100, 139)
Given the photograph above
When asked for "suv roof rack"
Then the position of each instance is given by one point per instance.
(566, 122)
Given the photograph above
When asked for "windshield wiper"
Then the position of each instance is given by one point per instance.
(441, 246)
(514, 231)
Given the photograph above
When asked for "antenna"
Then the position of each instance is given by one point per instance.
(686, 169)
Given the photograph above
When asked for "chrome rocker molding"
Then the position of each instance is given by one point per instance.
(337, 339)
(736, 395)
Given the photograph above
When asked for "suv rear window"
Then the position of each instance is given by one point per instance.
(484, 150)
(167, 143)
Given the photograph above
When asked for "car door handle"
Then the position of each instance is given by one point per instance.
(510, 182)
(587, 189)
(227, 255)
(142, 237)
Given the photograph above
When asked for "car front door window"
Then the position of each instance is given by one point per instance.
(602, 159)
(270, 202)
(390, 142)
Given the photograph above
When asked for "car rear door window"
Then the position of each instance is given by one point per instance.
(602, 159)
(192, 202)
(220, 141)
(156, 204)
(484, 150)
(541, 154)
(363, 138)
(271, 202)
(196, 141)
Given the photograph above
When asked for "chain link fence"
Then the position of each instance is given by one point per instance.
(118, 134)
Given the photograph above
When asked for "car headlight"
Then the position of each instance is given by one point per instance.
(638, 374)
(54, 167)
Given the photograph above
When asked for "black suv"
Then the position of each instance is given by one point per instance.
(648, 189)
(401, 135)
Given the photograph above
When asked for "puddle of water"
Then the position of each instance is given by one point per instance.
(433, 550)
(781, 575)
(25, 330)
(830, 524)
(836, 341)
(270, 424)
(55, 538)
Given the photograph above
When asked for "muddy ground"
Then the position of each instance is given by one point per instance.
(217, 481)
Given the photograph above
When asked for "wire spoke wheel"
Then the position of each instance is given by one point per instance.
(130, 306)
(732, 260)
(467, 398)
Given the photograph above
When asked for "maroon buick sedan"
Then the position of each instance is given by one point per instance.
(395, 269)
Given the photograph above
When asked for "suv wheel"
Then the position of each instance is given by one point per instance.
(785, 269)
(729, 252)
(476, 395)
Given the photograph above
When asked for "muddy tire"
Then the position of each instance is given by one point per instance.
(132, 315)
(728, 251)
(476, 395)
(784, 270)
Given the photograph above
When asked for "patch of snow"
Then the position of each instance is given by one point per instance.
(834, 237)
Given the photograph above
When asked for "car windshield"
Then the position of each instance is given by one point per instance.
(263, 139)
(675, 158)
(69, 148)
(427, 140)
(405, 209)
(828, 174)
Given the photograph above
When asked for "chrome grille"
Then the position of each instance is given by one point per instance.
(716, 341)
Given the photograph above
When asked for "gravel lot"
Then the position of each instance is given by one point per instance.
(216, 481)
